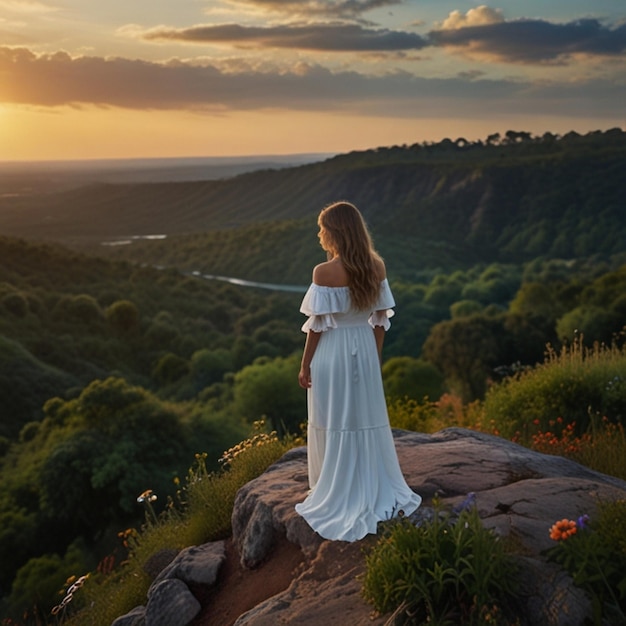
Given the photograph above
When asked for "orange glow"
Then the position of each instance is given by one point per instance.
(30, 133)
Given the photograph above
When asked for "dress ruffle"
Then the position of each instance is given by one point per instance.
(320, 303)
(381, 318)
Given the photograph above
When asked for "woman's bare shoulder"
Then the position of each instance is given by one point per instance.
(330, 274)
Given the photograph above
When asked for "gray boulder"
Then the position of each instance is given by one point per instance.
(197, 565)
(170, 601)
(518, 492)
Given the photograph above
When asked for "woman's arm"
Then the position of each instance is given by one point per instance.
(379, 335)
(304, 377)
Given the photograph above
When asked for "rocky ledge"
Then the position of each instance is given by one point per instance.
(518, 492)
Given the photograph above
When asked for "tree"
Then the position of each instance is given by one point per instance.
(465, 308)
(15, 303)
(209, 366)
(123, 316)
(466, 350)
(404, 376)
(592, 322)
(269, 387)
(125, 441)
(81, 309)
(535, 299)
(170, 368)
(17, 535)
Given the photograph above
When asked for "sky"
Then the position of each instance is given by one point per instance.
(90, 79)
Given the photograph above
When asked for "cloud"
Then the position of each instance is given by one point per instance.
(481, 32)
(26, 6)
(314, 8)
(59, 79)
(529, 41)
(480, 16)
(321, 37)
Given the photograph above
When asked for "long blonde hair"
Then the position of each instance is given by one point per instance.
(345, 234)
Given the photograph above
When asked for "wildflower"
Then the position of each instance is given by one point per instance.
(467, 503)
(75, 585)
(147, 496)
(582, 521)
(563, 529)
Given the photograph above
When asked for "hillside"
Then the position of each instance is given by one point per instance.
(446, 205)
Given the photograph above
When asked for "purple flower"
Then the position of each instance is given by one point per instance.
(582, 521)
(468, 503)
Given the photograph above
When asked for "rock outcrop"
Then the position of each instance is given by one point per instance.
(518, 492)
(170, 601)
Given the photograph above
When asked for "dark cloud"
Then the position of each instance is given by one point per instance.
(518, 41)
(535, 41)
(321, 37)
(328, 8)
(58, 79)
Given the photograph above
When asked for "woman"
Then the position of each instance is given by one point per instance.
(354, 474)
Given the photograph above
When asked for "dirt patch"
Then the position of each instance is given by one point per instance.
(239, 589)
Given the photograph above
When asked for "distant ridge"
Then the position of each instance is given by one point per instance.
(64, 174)
(509, 199)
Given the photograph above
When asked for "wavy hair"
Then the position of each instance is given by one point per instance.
(345, 233)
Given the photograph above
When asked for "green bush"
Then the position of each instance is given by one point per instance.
(450, 570)
(572, 384)
(409, 414)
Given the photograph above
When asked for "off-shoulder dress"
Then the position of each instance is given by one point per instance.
(354, 474)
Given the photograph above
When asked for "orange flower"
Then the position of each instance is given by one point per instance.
(563, 529)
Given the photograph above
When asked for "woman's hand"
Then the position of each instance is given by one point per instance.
(304, 377)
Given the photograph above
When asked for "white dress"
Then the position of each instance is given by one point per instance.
(354, 474)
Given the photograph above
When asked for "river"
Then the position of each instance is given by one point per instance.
(250, 283)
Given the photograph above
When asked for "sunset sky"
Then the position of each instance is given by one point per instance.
(153, 78)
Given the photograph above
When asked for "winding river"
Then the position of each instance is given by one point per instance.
(250, 283)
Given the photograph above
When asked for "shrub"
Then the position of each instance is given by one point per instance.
(429, 417)
(450, 570)
(572, 384)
